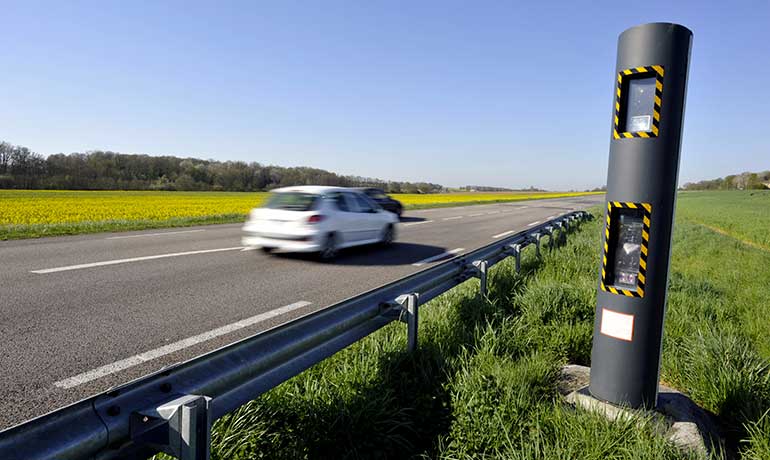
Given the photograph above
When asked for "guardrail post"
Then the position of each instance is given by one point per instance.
(410, 305)
(549, 230)
(564, 231)
(181, 428)
(536, 238)
(481, 271)
(516, 250)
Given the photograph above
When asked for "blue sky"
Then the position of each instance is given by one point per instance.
(494, 93)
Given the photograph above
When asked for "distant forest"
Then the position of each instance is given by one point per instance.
(743, 181)
(21, 168)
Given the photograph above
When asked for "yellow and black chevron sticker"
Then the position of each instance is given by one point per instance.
(653, 70)
(646, 209)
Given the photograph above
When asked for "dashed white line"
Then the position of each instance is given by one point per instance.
(417, 223)
(502, 234)
(452, 218)
(153, 234)
(123, 364)
(533, 223)
(476, 215)
(437, 257)
(494, 212)
(132, 259)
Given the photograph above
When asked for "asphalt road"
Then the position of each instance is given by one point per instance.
(81, 314)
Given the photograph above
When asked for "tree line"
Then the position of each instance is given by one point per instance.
(743, 181)
(20, 168)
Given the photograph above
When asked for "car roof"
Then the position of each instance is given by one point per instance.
(312, 189)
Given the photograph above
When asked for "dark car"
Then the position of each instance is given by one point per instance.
(387, 203)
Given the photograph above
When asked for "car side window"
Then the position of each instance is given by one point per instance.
(350, 198)
(339, 202)
(363, 204)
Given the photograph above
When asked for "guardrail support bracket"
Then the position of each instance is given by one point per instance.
(181, 427)
(410, 307)
(482, 267)
(549, 230)
(536, 238)
(516, 251)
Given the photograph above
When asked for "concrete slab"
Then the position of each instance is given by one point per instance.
(681, 421)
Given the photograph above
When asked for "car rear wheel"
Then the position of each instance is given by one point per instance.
(329, 249)
(266, 250)
(388, 235)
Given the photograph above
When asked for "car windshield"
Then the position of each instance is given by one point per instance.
(293, 201)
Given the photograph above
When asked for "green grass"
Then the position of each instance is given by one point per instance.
(24, 231)
(745, 215)
(483, 381)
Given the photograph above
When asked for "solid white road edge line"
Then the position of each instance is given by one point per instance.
(153, 234)
(417, 223)
(123, 364)
(437, 257)
(502, 234)
(533, 223)
(132, 259)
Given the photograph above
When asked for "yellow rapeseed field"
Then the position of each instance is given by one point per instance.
(413, 200)
(31, 213)
(25, 207)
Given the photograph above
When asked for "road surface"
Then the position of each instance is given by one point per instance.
(81, 314)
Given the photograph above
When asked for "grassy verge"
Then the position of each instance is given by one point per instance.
(741, 214)
(39, 213)
(483, 382)
(17, 232)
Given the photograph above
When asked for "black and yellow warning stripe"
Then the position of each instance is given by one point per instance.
(655, 70)
(642, 278)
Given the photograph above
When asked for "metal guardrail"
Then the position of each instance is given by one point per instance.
(172, 410)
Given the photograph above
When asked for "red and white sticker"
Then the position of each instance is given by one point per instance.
(617, 325)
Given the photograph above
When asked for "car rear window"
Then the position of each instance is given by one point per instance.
(292, 201)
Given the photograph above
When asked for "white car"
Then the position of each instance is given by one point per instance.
(318, 219)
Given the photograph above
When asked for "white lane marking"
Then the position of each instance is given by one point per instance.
(132, 259)
(123, 364)
(476, 215)
(153, 234)
(502, 234)
(452, 218)
(533, 223)
(418, 223)
(248, 248)
(494, 212)
(436, 257)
